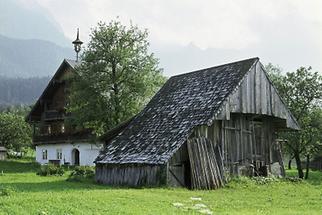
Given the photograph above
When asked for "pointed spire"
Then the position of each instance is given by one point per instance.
(77, 44)
(77, 34)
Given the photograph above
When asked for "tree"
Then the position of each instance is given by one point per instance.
(302, 92)
(116, 78)
(15, 133)
(313, 136)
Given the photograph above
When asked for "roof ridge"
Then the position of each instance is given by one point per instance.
(213, 67)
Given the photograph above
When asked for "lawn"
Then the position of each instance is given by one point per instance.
(24, 192)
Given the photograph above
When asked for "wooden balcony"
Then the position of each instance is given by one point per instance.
(61, 137)
(52, 115)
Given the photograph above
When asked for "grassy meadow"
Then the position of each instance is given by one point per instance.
(24, 192)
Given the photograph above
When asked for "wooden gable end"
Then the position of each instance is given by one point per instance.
(53, 94)
(257, 95)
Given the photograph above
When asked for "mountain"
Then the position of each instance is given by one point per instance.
(26, 19)
(32, 46)
(30, 58)
(21, 91)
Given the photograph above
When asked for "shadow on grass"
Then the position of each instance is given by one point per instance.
(51, 186)
(18, 166)
(315, 177)
(63, 186)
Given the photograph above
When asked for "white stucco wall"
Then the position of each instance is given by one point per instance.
(87, 155)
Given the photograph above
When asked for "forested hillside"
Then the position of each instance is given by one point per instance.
(14, 91)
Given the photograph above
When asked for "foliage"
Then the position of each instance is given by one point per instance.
(82, 173)
(250, 181)
(116, 78)
(15, 133)
(302, 92)
(51, 169)
(18, 166)
(293, 179)
(55, 195)
(6, 191)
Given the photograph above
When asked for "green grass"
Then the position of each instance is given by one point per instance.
(23, 192)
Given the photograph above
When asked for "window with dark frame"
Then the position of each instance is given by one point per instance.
(44, 154)
(59, 154)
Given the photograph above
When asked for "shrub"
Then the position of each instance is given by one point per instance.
(50, 169)
(6, 191)
(294, 179)
(260, 180)
(82, 173)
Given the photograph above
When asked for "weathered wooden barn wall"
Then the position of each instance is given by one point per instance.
(131, 175)
(256, 95)
(178, 168)
(246, 143)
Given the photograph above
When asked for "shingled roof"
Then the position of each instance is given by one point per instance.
(184, 102)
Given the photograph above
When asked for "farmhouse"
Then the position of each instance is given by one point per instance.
(199, 129)
(55, 141)
(3, 153)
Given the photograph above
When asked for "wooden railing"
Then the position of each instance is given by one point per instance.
(60, 137)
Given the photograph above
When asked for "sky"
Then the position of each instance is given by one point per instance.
(191, 34)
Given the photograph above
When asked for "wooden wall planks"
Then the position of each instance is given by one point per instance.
(256, 95)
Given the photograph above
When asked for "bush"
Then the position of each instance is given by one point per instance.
(294, 179)
(82, 173)
(50, 169)
(6, 191)
(260, 180)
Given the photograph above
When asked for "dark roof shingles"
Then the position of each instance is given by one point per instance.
(185, 101)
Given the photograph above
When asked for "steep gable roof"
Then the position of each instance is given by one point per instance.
(50, 87)
(184, 102)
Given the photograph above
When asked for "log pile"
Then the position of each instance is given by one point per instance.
(206, 164)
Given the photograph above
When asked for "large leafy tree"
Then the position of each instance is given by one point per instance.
(116, 78)
(302, 92)
(15, 133)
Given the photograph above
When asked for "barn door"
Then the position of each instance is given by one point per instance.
(206, 164)
(259, 149)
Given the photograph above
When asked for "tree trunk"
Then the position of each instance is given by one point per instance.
(116, 96)
(298, 164)
(307, 166)
(290, 164)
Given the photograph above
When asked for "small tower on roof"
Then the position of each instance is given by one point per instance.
(77, 44)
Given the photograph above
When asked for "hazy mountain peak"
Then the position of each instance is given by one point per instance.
(30, 57)
(24, 19)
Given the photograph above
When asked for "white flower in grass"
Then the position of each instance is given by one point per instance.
(206, 211)
(195, 198)
(177, 204)
(199, 206)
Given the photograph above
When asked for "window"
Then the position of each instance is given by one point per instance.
(44, 154)
(59, 154)
(62, 128)
(49, 129)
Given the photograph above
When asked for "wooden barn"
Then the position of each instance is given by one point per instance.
(200, 129)
(3, 153)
